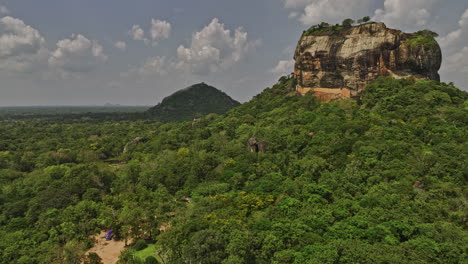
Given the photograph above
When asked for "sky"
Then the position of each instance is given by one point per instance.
(88, 52)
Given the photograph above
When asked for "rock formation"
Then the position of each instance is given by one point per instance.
(255, 145)
(338, 62)
(133, 142)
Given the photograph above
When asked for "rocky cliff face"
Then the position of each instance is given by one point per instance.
(338, 62)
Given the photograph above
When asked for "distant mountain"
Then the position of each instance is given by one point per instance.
(191, 102)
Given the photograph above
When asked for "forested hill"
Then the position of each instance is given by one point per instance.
(380, 180)
(194, 101)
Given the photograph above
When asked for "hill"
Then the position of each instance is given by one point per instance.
(191, 102)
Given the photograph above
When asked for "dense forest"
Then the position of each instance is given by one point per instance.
(382, 179)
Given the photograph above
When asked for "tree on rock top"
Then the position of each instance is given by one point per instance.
(347, 22)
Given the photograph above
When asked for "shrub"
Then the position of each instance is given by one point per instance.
(140, 244)
(423, 38)
(151, 260)
(348, 22)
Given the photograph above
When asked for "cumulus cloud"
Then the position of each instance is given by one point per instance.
(160, 29)
(459, 36)
(455, 47)
(297, 3)
(293, 15)
(137, 33)
(284, 67)
(22, 48)
(152, 66)
(457, 61)
(165, 70)
(464, 19)
(120, 45)
(215, 48)
(4, 10)
(17, 38)
(212, 49)
(410, 15)
(77, 55)
(315, 11)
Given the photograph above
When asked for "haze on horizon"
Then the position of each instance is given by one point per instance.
(120, 52)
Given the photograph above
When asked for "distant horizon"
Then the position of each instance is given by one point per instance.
(118, 104)
(103, 105)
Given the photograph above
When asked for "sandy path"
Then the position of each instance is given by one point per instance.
(109, 251)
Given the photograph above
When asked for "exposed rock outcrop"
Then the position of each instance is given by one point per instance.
(133, 142)
(338, 62)
(255, 145)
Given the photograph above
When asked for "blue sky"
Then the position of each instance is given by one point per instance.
(64, 52)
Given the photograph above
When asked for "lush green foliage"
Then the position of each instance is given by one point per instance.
(382, 180)
(323, 28)
(73, 114)
(423, 38)
(195, 101)
(348, 22)
(364, 20)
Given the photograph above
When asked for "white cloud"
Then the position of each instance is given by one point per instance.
(458, 36)
(4, 10)
(152, 66)
(215, 48)
(334, 11)
(297, 3)
(284, 67)
(457, 61)
(293, 15)
(137, 33)
(77, 55)
(120, 45)
(212, 49)
(17, 38)
(160, 29)
(410, 15)
(156, 67)
(22, 48)
(450, 38)
(455, 47)
(464, 19)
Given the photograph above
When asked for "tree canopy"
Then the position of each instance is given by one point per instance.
(348, 22)
(376, 180)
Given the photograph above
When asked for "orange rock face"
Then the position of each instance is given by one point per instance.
(339, 64)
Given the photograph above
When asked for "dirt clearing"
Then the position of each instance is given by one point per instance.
(109, 251)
